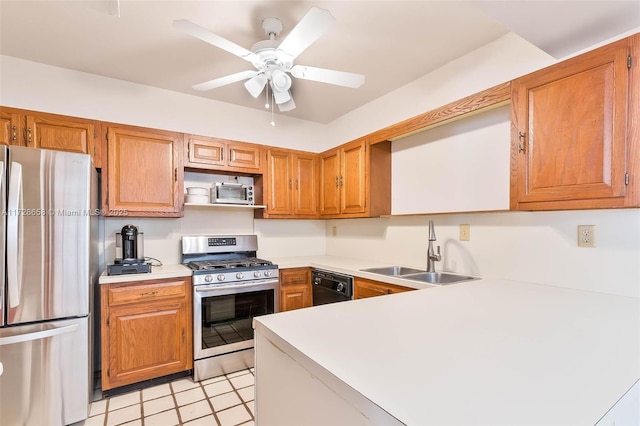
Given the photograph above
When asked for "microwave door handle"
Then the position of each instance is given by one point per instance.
(14, 256)
(231, 184)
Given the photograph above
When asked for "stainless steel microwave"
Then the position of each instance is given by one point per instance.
(232, 193)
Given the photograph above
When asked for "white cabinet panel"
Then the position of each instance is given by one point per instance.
(458, 167)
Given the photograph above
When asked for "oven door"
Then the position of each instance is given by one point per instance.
(223, 314)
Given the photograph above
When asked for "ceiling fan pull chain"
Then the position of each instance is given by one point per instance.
(273, 123)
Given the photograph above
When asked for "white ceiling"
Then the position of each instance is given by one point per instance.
(391, 42)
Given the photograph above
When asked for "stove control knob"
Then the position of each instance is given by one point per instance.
(239, 275)
(267, 273)
(256, 274)
(208, 278)
(220, 277)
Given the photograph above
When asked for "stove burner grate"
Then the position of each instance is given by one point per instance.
(205, 265)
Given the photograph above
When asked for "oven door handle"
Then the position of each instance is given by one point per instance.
(244, 287)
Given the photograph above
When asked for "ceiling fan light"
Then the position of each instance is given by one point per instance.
(287, 106)
(256, 84)
(280, 81)
(281, 97)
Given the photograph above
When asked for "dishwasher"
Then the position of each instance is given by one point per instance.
(330, 287)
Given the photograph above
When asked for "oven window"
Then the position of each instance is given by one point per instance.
(227, 319)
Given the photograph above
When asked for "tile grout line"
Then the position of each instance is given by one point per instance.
(213, 410)
(242, 401)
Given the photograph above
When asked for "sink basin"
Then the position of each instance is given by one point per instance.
(441, 278)
(393, 271)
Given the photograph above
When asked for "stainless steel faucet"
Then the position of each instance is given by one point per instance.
(431, 256)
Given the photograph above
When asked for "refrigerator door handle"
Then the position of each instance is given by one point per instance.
(37, 335)
(14, 257)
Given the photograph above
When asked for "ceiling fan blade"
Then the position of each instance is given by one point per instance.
(223, 81)
(287, 106)
(281, 97)
(323, 75)
(197, 31)
(312, 25)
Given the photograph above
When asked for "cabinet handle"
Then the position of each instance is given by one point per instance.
(296, 183)
(336, 181)
(29, 138)
(149, 293)
(290, 186)
(341, 182)
(175, 174)
(183, 337)
(521, 139)
(222, 154)
(14, 135)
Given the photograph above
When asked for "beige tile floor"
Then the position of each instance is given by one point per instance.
(225, 400)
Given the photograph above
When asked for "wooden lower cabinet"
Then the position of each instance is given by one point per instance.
(363, 288)
(295, 289)
(146, 330)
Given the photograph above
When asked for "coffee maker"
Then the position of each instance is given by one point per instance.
(129, 253)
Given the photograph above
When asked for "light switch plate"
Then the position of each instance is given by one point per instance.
(465, 232)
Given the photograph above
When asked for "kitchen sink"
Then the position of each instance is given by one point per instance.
(393, 271)
(441, 278)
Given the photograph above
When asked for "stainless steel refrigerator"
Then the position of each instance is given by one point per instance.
(48, 236)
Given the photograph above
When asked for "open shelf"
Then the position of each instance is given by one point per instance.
(225, 206)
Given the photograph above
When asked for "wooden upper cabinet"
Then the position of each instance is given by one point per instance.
(50, 131)
(10, 128)
(330, 183)
(355, 180)
(291, 184)
(352, 178)
(569, 137)
(144, 172)
(305, 184)
(279, 181)
(202, 152)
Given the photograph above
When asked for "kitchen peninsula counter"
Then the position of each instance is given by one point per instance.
(478, 352)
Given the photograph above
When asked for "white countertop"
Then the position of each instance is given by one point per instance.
(157, 272)
(479, 352)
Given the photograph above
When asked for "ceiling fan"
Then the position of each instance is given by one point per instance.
(273, 59)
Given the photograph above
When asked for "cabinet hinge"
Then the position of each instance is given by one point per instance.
(626, 178)
(108, 372)
(95, 133)
(629, 61)
(106, 135)
(108, 322)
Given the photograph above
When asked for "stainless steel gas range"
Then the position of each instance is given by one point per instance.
(230, 287)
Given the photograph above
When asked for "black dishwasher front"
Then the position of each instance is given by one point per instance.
(329, 287)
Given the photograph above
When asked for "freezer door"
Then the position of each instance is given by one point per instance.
(45, 376)
(3, 229)
(48, 227)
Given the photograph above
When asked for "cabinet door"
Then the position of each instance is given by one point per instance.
(352, 179)
(145, 174)
(295, 297)
(330, 183)
(279, 181)
(9, 128)
(51, 133)
(244, 157)
(147, 341)
(363, 288)
(204, 151)
(569, 132)
(305, 202)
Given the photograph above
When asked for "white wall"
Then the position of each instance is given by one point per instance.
(30, 85)
(162, 237)
(537, 247)
(495, 63)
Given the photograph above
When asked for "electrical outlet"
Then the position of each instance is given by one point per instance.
(586, 236)
(334, 231)
(465, 232)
